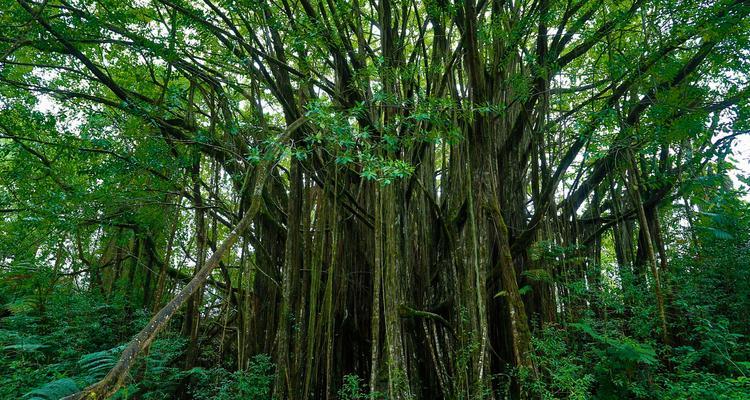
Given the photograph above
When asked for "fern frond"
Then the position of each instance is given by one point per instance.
(97, 364)
(54, 390)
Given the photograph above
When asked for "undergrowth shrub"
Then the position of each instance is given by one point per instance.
(254, 383)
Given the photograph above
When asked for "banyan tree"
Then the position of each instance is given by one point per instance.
(394, 189)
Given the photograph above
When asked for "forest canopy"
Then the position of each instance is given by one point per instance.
(384, 199)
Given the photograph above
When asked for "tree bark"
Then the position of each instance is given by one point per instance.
(633, 187)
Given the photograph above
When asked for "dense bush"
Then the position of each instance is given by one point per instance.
(616, 355)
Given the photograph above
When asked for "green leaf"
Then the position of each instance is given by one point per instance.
(25, 347)
(54, 390)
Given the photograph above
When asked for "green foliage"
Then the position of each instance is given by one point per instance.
(254, 383)
(54, 390)
(613, 368)
(43, 342)
(562, 372)
(615, 355)
(72, 340)
(353, 146)
(97, 364)
(623, 350)
(352, 388)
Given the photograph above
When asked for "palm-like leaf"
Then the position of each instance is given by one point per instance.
(54, 390)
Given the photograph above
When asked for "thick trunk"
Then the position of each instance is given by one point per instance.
(287, 379)
(521, 335)
(395, 279)
(377, 278)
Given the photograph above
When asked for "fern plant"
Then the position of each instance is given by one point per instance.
(96, 365)
(54, 390)
(93, 366)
